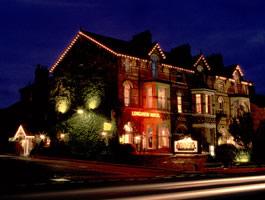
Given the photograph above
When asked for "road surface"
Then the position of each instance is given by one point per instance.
(221, 188)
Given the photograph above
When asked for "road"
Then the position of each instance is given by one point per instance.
(22, 175)
(46, 178)
(222, 188)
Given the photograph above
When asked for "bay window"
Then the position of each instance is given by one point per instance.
(162, 98)
(198, 103)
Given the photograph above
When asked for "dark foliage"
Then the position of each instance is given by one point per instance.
(226, 154)
(242, 129)
(258, 144)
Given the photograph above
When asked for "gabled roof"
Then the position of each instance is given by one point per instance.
(158, 48)
(229, 70)
(118, 48)
(65, 51)
(201, 58)
(21, 133)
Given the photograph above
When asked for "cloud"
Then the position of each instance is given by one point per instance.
(60, 3)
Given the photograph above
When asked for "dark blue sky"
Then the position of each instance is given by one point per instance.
(36, 31)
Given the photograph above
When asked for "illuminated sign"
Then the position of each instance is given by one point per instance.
(186, 145)
(145, 114)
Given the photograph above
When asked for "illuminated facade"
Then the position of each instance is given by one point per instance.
(156, 100)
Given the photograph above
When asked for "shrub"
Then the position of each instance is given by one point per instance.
(226, 153)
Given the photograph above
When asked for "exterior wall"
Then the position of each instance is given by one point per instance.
(145, 94)
(144, 132)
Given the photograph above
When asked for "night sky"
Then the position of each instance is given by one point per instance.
(36, 31)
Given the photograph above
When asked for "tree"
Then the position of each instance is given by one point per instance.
(85, 134)
(226, 153)
(242, 129)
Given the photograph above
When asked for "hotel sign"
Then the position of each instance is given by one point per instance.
(186, 145)
(145, 114)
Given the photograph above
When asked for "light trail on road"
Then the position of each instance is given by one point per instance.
(194, 189)
(196, 194)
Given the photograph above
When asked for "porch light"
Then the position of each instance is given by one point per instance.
(62, 136)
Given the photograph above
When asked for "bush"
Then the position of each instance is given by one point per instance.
(226, 153)
(127, 149)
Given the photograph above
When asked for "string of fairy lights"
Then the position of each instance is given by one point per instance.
(80, 33)
(156, 46)
(204, 60)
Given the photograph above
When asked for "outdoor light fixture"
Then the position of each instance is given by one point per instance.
(104, 134)
(62, 136)
(93, 102)
(211, 149)
(80, 111)
(62, 105)
(42, 136)
(48, 142)
(137, 138)
(107, 126)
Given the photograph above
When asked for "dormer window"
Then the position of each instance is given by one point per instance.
(154, 65)
(236, 76)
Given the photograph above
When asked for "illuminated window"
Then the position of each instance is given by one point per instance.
(128, 137)
(162, 99)
(163, 137)
(127, 85)
(149, 137)
(206, 103)
(149, 97)
(198, 103)
(179, 103)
